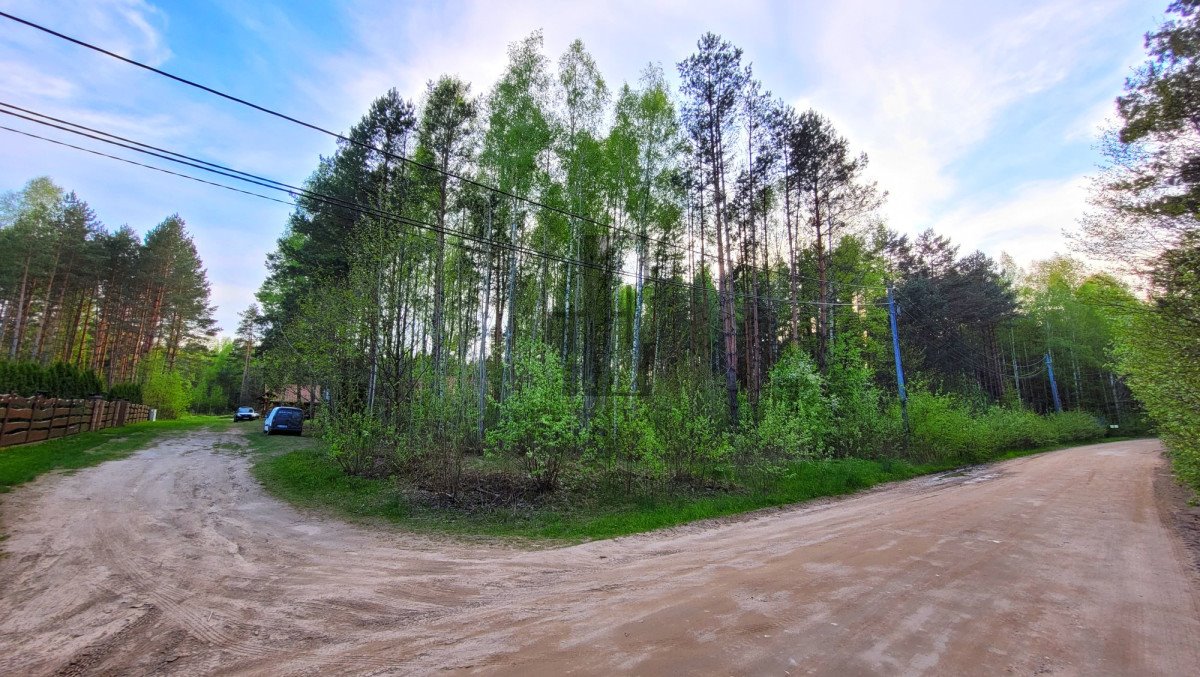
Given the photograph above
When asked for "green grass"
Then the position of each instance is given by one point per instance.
(296, 470)
(24, 463)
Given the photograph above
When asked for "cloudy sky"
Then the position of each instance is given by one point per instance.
(979, 118)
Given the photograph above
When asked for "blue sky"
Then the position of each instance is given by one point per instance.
(979, 118)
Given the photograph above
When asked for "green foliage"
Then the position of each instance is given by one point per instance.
(1160, 358)
(687, 412)
(1145, 217)
(126, 391)
(1070, 427)
(796, 420)
(56, 380)
(945, 429)
(357, 441)
(623, 440)
(216, 379)
(1024, 429)
(166, 392)
(860, 425)
(539, 422)
(942, 429)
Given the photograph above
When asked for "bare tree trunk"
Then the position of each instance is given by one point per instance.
(39, 339)
(823, 286)
(724, 265)
(439, 291)
(483, 329)
(512, 299)
(18, 322)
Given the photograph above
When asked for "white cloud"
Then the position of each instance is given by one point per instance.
(406, 45)
(919, 86)
(128, 27)
(23, 79)
(1028, 224)
(918, 89)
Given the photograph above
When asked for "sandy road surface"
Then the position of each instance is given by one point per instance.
(175, 561)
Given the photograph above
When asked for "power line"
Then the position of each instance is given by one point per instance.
(296, 191)
(139, 164)
(360, 144)
(953, 350)
(328, 132)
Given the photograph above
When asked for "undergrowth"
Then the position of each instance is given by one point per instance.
(300, 471)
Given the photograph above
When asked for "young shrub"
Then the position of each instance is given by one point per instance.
(438, 432)
(945, 430)
(687, 413)
(858, 426)
(795, 415)
(623, 439)
(1075, 426)
(358, 441)
(166, 392)
(539, 421)
(1014, 429)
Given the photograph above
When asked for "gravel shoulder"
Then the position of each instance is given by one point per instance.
(174, 561)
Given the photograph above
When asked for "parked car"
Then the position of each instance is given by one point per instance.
(244, 414)
(284, 420)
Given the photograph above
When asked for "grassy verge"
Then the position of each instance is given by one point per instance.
(296, 470)
(24, 463)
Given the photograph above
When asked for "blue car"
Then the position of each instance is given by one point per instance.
(284, 420)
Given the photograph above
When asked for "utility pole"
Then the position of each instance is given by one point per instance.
(892, 312)
(1053, 384)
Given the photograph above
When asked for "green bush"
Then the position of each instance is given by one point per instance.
(539, 421)
(358, 441)
(859, 426)
(625, 442)
(1017, 428)
(945, 431)
(166, 392)
(795, 415)
(688, 414)
(1074, 426)
(59, 379)
(126, 391)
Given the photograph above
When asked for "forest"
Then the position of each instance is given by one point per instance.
(562, 288)
(85, 310)
(559, 286)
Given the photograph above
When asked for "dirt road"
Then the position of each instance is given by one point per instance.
(175, 561)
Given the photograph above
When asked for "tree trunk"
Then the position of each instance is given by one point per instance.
(511, 326)
(439, 291)
(483, 329)
(18, 321)
(822, 285)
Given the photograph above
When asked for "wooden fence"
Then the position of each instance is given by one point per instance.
(32, 419)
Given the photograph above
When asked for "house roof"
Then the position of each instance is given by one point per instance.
(296, 393)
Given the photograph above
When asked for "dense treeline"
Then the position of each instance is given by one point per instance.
(57, 380)
(75, 292)
(648, 287)
(1145, 219)
(86, 310)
